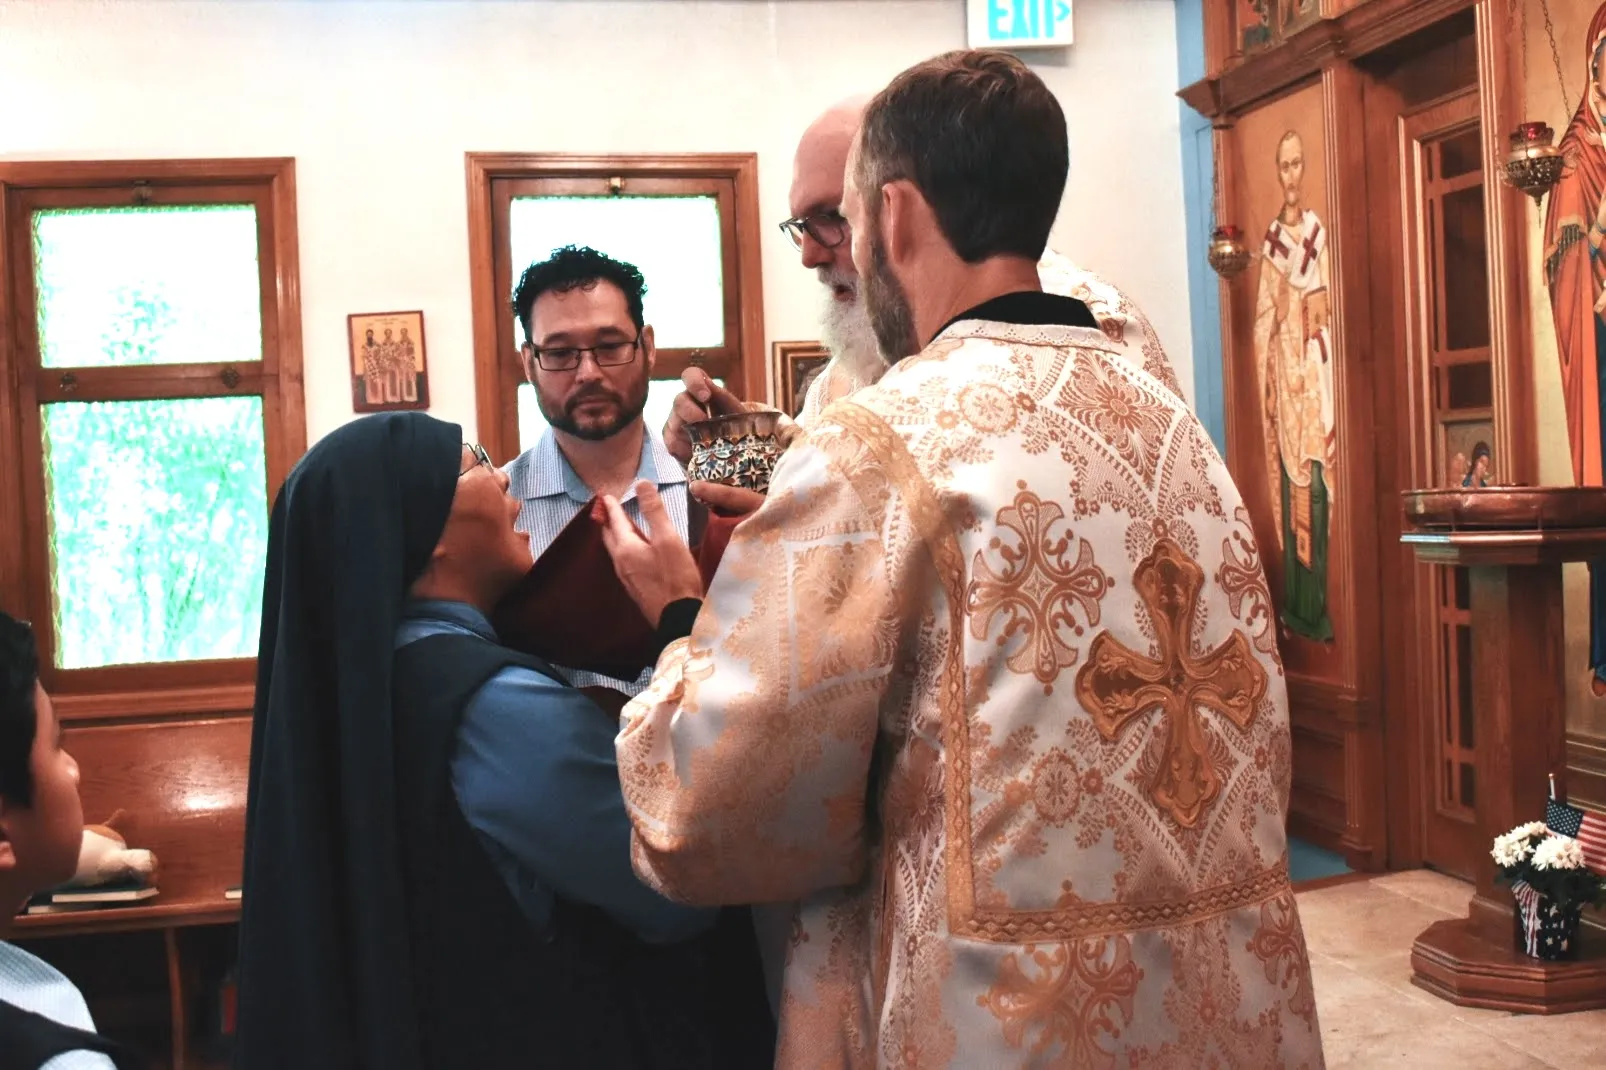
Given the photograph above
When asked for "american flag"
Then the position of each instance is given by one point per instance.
(1588, 829)
(1527, 897)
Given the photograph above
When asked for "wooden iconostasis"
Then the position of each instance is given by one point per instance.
(1407, 320)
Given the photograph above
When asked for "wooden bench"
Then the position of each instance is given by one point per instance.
(181, 785)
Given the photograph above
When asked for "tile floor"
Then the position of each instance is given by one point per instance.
(1360, 936)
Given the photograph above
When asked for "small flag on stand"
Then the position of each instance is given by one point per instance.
(1588, 829)
(1527, 897)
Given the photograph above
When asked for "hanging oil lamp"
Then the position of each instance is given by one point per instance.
(1228, 255)
(1534, 163)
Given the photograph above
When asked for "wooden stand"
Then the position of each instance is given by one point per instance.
(1520, 706)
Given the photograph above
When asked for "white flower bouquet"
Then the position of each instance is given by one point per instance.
(1551, 884)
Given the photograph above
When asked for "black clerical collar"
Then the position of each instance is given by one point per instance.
(1033, 307)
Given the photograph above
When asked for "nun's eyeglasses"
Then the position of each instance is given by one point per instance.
(480, 457)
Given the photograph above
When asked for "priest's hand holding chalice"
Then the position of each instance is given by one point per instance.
(729, 448)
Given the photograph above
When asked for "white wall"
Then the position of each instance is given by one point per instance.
(378, 102)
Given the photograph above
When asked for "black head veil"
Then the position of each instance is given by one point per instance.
(324, 971)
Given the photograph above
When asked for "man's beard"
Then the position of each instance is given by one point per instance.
(625, 412)
(888, 305)
(845, 328)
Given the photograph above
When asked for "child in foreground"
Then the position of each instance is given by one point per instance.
(44, 1023)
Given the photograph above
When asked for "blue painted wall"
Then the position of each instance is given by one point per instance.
(1198, 164)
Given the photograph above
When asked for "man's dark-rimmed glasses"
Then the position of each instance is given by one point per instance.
(480, 458)
(828, 228)
(567, 358)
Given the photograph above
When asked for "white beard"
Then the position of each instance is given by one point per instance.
(845, 329)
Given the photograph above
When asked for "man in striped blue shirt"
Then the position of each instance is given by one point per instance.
(588, 352)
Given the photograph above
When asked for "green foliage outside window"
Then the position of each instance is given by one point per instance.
(157, 510)
(93, 265)
(158, 527)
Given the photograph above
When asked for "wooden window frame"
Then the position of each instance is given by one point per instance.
(495, 178)
(25, 572)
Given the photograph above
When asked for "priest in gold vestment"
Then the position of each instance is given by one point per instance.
(1119, 318)
(990, 683)
(820, 234)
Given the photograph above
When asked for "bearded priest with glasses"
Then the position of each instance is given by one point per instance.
(822, 236)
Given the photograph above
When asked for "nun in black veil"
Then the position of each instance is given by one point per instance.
(437, 854)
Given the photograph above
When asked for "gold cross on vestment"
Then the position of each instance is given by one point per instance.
(1118, 685)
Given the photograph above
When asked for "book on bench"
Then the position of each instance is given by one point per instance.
(88, 898)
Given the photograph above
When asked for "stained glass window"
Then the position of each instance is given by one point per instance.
(158, 520)
(155, 508)
(163, 285)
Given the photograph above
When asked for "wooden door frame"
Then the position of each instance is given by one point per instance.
(1419, 463)
(493, 400)
(1507, 215)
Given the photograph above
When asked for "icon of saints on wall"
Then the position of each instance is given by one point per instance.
(388, 369)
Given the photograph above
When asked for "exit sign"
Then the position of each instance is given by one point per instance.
(1020, 23)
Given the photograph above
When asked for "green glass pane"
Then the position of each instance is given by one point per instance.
(158, 519)
(661, 395)
(675, 241)
(119, 286)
